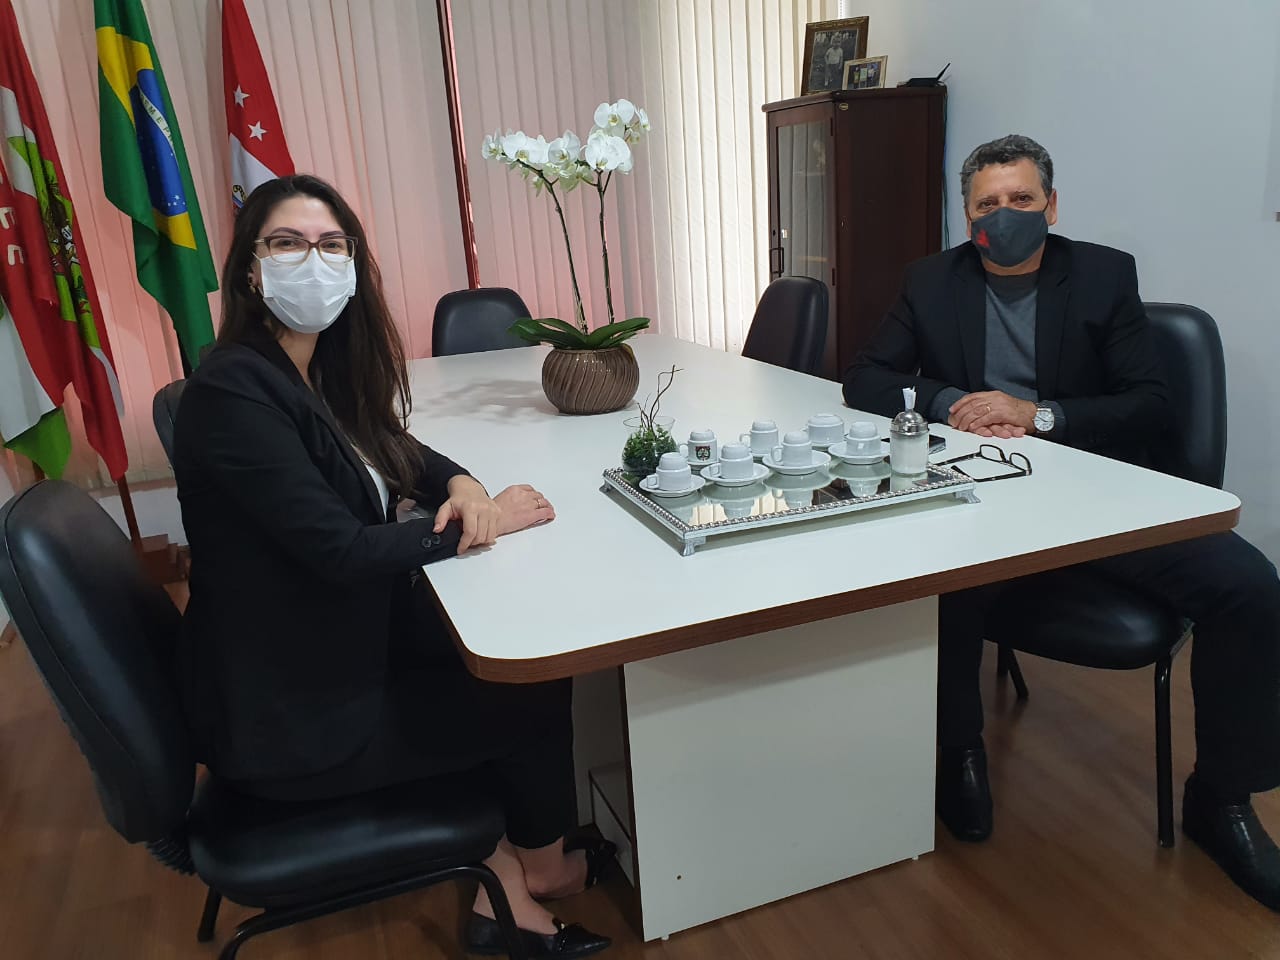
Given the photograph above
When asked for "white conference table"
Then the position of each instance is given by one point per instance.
(774, 727)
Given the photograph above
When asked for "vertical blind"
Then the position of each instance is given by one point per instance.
(689, 227)
(361, 94)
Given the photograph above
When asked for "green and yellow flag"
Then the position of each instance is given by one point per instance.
(145, 173)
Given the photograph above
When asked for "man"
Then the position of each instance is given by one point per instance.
(1019, 332)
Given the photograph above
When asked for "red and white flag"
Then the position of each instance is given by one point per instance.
(258, 149)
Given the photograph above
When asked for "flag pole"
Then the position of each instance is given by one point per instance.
(130, 518)
(444, 9)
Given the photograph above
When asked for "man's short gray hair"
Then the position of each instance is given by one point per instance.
(1008, 149)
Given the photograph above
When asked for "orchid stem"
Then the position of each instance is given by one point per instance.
(602, 184)
(568, 247)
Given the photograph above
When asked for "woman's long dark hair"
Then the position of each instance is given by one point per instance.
(359, 365)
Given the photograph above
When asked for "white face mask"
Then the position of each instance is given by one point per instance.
(307, 296)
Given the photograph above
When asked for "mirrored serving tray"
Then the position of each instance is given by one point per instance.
(832, 490)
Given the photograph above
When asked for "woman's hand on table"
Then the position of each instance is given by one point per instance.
(523, 507)
(469, 503)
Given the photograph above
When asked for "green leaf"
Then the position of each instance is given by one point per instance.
(549, 330)
(557, 333)
(611, 334)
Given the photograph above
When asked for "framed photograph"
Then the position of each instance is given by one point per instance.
(864, 74)
(827, 45)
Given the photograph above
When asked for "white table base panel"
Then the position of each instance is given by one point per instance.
(780, 762)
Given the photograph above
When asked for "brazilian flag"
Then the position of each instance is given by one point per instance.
(145, 173)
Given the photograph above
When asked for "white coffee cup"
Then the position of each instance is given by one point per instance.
(736, 462)
(862, 440)
(796, 450)
(825, 428)
(673, 472)
(701, 448)
(763, 436)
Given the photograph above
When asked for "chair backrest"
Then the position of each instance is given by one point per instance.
(473, 321)
(164, 413)
(790, 325)
(1191, 351)
(103, 637)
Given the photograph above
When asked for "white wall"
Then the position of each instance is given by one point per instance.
(1163, 119)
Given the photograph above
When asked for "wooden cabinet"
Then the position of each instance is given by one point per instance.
(855, 194)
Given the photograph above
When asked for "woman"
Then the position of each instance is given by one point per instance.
(311, 667)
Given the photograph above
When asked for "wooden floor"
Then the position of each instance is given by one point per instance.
(1072, 871)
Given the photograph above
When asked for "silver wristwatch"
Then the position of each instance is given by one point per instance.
(1044, 418)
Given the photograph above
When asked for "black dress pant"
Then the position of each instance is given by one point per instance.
(1227, 588)
(438, 719)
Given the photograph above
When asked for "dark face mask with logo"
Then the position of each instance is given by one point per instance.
(1008, 236)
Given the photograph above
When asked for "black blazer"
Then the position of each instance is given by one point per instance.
(295, 569)
(1094, 352)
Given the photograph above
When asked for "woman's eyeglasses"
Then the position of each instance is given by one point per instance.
(284, 248)
(1019, 465)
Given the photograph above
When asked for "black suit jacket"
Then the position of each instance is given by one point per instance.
(295, 569)
(1094, 352)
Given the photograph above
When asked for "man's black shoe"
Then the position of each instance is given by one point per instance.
(964, 793)
(1230, 833)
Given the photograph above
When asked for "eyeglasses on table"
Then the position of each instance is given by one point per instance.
(1019, 463)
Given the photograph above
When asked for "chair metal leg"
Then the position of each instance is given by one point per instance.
(274, 919)
(1007, 663)
(1164, 753)
(210, 916)
(502, 913)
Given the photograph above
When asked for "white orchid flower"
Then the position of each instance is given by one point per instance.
(566, 147)
(515, 146)
(626, 111)
(642, 119)
(614, 117)
(491, 149)
(605, 151)
(537, 151)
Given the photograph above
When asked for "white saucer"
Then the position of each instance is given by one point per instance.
(823, 444)
(650, 486)
(820, 460)
(838, 450)
(758, 472)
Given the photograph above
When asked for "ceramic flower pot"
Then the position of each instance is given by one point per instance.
(590, 381)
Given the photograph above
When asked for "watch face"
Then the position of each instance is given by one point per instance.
(1044, 420)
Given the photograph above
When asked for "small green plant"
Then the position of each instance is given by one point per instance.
(652, 436)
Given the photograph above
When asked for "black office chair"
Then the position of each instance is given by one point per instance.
(790, 326)
(103, 638)
(164, 413)
(473, 321)
(1076, 616)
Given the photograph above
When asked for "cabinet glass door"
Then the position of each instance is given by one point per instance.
(804, 205)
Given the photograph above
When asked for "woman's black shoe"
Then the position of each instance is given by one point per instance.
(484, 936)
(600, 853)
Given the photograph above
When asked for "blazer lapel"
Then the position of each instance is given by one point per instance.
(275, 353)
(971, 317)
(349, 452)
(1052, 293)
